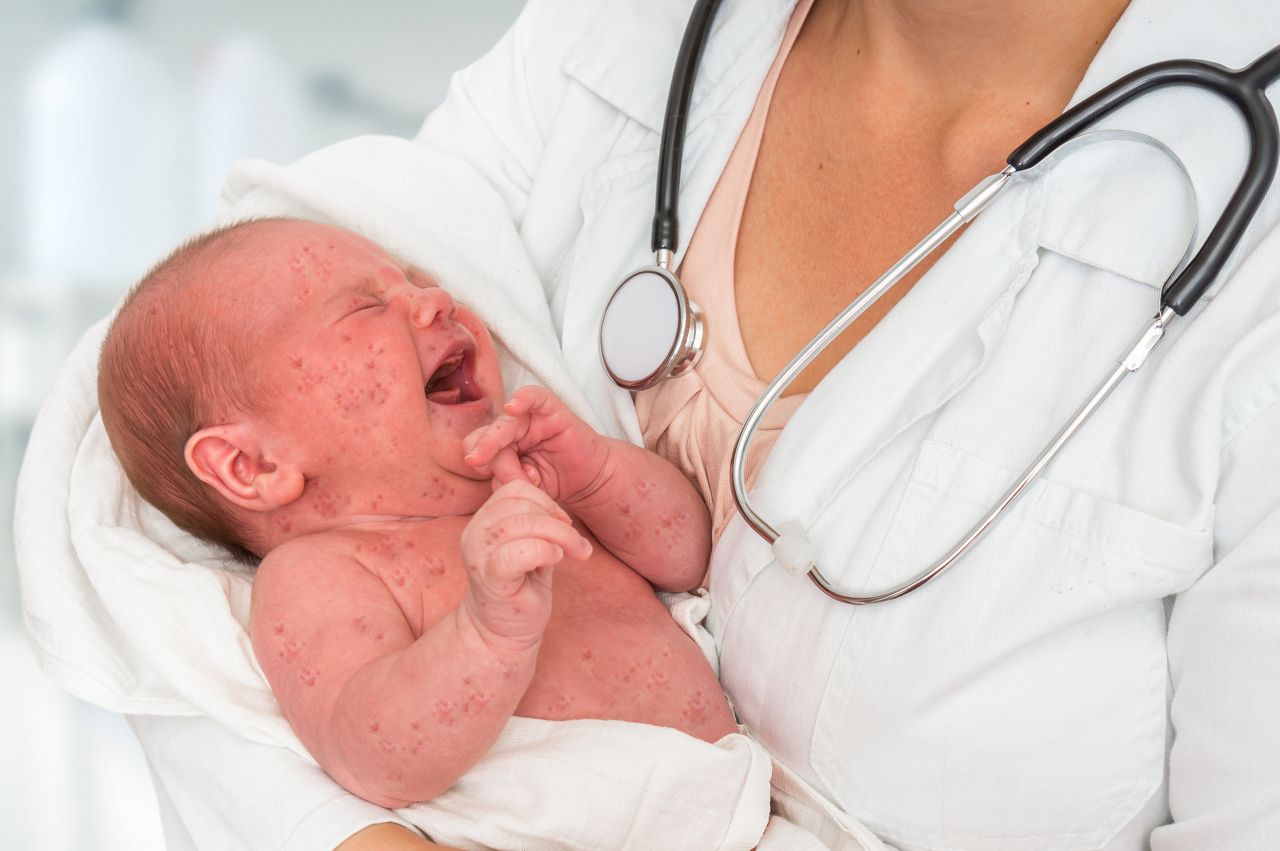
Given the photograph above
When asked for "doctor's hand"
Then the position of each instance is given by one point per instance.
(510, 548)
(538, 440)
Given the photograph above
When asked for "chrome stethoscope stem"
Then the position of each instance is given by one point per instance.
(1130, 362)
(965, 210)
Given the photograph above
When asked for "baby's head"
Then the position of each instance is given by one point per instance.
(281, 377)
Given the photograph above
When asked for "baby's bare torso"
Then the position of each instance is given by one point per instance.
(610, 649)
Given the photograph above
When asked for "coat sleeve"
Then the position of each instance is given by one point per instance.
(1224, 658)
(499, 110)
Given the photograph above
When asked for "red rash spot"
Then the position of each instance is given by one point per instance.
(346, 338)
(360, 625)
(296, 363)
(153, 311)
(278, 629)
(445, 713)
(289, 652)
(391, 275)
(308, 676)
(370, 364)
(415, 725)
(374, 727)
(624, 509)
(695, 709)
(326, 506)
(586, 655)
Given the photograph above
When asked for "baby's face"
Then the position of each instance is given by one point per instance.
(376, 374)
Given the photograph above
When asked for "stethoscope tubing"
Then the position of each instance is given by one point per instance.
(1246, 89)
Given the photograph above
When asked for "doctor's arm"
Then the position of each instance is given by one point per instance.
(498, 111)
(1224, 647)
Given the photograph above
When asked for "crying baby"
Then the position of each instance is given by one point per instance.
(435, 557)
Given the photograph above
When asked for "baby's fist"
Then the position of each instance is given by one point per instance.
(539, 440)
(510, 548)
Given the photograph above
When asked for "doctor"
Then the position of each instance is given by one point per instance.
(1100, 673)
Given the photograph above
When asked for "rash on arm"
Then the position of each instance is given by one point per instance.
(648, 514)
(392, 718)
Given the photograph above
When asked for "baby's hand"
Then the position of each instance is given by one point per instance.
(510, 547)
(539, 440)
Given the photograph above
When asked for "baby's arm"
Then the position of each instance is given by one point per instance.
(392, 718)
(635, 502)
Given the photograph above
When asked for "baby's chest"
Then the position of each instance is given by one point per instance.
(422, 569)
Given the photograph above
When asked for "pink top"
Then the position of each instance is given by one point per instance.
(694, 420)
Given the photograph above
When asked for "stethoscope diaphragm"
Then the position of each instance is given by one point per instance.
(651, 330)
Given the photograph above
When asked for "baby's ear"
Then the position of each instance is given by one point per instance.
(229, 459)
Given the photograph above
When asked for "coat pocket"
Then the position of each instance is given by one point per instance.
(1020, 700)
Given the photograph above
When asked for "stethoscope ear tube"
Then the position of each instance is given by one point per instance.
(652, 298)
(1246, 89)
(666, 226)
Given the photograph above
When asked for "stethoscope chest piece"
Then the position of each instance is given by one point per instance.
(651, 330)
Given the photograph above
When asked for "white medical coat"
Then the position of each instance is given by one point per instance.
(1106, 659)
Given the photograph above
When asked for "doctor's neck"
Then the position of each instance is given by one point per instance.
(969, 51)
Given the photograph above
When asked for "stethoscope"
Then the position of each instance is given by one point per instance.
(651, 331)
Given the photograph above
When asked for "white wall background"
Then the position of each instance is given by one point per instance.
(71, 776)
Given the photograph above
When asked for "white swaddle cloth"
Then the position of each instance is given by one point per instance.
(132, 614)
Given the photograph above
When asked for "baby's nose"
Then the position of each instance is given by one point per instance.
(427, 304)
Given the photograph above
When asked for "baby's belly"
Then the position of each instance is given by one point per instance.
(612, 651)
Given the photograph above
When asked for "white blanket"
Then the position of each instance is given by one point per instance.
(128, 612)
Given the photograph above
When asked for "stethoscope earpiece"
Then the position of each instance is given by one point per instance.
(651, 330)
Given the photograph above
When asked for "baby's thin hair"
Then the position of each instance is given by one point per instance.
(169, 368)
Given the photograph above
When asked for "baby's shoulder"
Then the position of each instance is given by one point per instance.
(370, 545)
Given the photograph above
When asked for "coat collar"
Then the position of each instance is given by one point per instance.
(1137, 202)
(626, 36)
(1124, 208)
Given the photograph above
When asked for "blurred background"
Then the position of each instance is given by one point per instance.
(118, 120)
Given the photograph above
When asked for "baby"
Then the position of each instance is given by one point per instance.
(295, 393)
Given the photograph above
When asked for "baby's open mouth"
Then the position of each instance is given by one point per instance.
(453, 381)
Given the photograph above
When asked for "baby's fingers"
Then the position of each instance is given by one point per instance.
(512, 561)
(552, 530)
(506, 467)
(482, 445)
(521, 497)
(533, 401)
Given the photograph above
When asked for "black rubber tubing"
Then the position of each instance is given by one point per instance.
(666, 225)
(1246, 90)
